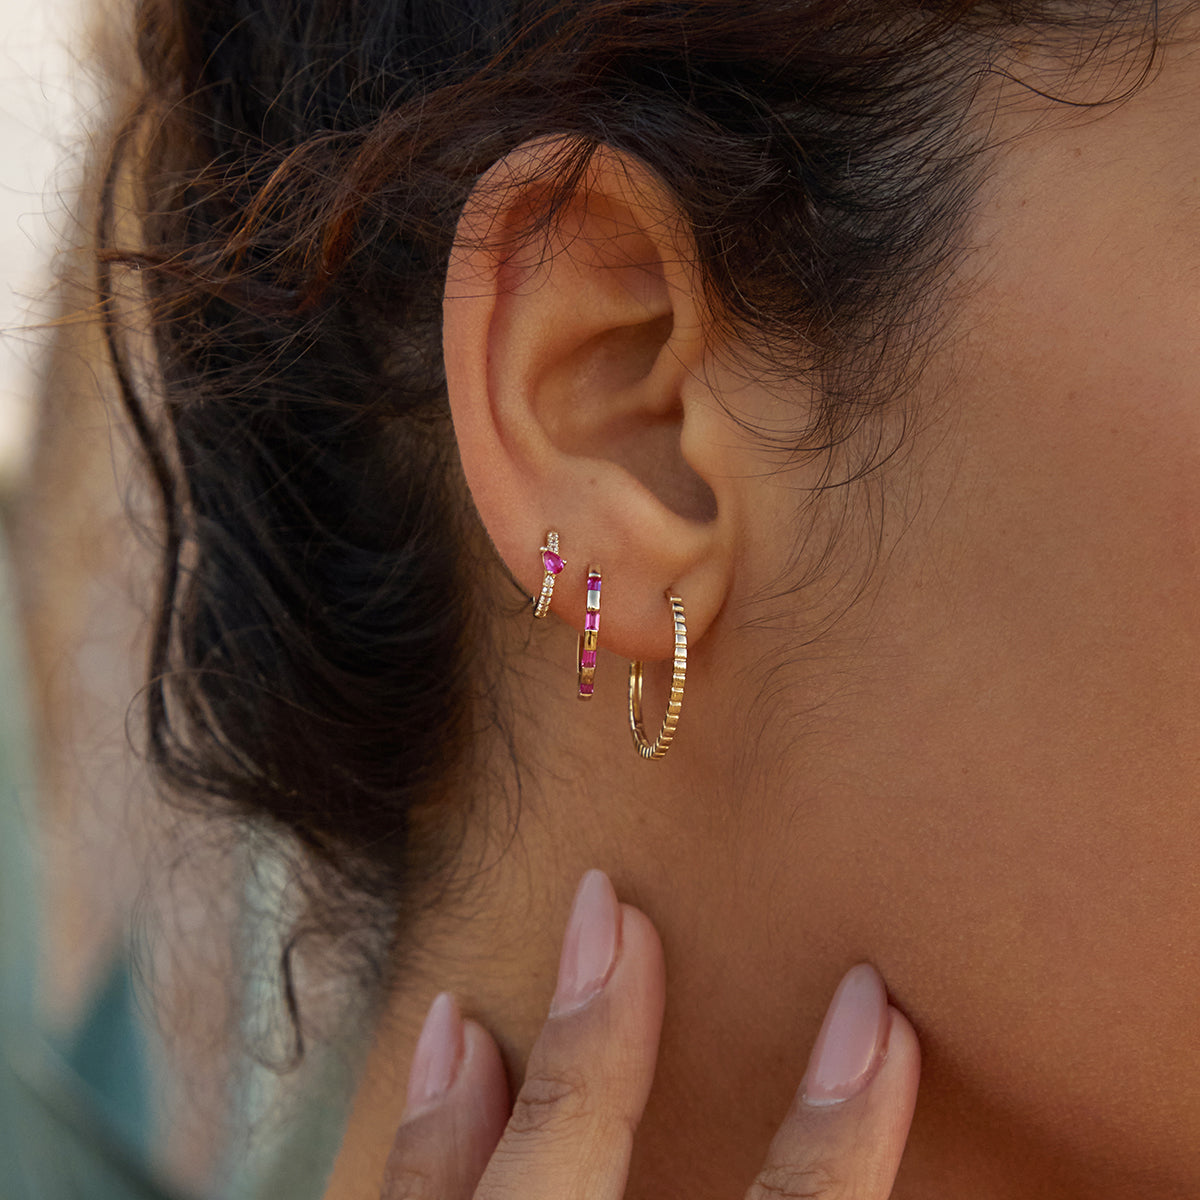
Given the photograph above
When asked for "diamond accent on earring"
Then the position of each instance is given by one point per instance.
(553, 565)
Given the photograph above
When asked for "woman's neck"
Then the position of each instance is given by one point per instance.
(765, 887)
(742, 1012)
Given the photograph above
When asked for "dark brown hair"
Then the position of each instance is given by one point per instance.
(295, 169)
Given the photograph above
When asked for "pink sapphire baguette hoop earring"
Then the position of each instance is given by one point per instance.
(661, 744)
(589, 639)
(552, 565)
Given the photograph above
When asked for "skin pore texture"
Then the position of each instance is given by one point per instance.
(982, 777)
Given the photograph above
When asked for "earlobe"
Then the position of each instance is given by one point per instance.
(575, 363)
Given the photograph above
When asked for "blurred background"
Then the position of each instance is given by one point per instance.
(43, 95)
(83, 1056)
(123, 925)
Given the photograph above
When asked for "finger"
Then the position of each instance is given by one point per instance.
(457, 1108)
(589, 1074)
(845, 1133)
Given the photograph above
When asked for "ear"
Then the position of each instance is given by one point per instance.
(575, 362)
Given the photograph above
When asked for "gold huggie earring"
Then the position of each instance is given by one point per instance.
(552, 565)
(661, 744)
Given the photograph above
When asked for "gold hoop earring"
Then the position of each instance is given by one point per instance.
(661, 744)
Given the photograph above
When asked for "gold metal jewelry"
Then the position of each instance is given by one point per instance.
(552, 564)
(661, 744)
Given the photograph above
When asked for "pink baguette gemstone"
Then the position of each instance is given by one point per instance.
(591, 621)
(593, 583)
(587, 658)
(586, 689)
(551, 562)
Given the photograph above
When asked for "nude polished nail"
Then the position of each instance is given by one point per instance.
(438, 1054)
(590, 944)
(851, 1042)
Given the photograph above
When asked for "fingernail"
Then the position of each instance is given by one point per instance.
(438, 1053)
(851, 1041)
(590, 944)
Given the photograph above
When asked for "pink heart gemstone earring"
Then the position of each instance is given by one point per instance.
(552, 565)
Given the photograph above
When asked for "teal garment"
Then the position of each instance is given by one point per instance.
(74, 1118)
(292, 1139)
(295, 1160)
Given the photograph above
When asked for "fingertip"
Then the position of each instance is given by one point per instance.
(852, 1041)
(589, 1074)
(639, 936)
(444, 1143)
(482, 1092)
(642, 954)
(854, 1144)
(894, 1088)
(483, 1070)
(903, 1045)
(437, 1058)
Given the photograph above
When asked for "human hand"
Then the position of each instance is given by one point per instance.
(570, 1134)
